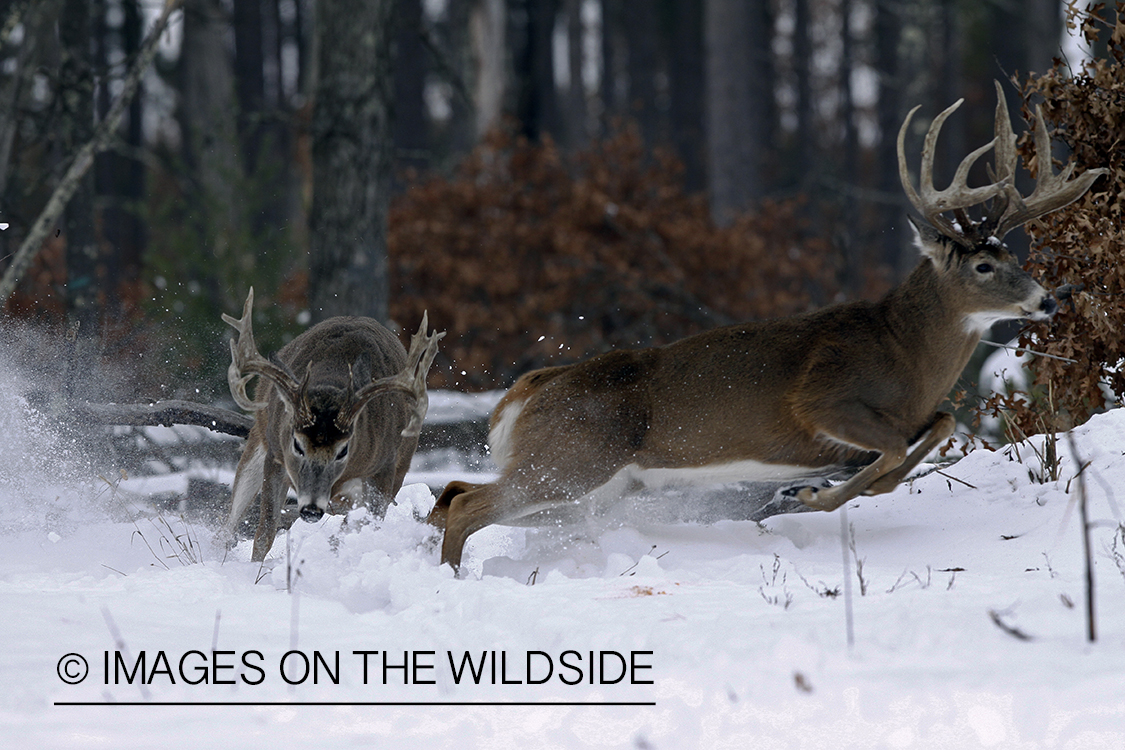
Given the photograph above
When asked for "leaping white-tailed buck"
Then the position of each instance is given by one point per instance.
(337, 418)
(852, 385)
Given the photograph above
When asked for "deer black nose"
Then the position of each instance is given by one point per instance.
(311, 513)
(1048, 306)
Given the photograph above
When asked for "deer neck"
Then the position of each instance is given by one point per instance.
(923, 315)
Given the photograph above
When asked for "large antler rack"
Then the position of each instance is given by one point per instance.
(246, 362)
(1007, 209)
(411, 381)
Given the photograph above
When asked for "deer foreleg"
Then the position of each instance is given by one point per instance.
(883, 474)
(379, 494)
(831, 498)
(938, 432)
(247, 484)
(274, 486)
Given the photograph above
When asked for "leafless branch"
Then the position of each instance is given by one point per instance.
(168, 413)
(84, 159)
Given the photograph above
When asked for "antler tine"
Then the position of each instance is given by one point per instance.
(931, 203)
(411, 381)
(1052, 191)
(246, 362)
(1005, 141)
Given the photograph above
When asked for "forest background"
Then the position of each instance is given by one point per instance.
(549, 178)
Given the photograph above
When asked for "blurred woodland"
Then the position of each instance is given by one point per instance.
(549, 178)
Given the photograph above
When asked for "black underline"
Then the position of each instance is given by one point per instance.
(354, 703)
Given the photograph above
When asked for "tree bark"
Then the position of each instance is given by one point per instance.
(892, 216)
(83, 160)
(805, 153)
(537, 106)
(411, 126)
(642, 39)
(249, 76)
(120, 177)
(686, 89)
(488, 42)
(351, 151)
(75, 100)
(208, 115)
(740, 107)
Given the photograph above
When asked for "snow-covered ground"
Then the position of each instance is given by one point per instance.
(641, 635)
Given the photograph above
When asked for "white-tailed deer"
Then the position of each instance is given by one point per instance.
(853, 385)
(342, 433)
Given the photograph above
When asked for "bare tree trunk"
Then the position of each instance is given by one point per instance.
(351, 152)
(612, 68)
(642, 37)
(120, 178)
(892, 216)
(805, 151)
(249, 76)
(536, 97)
(37, 20)
(686, 90)
(488, 32)
(575, 114)
(208, 121)
(739, 102)
(75, 99)
(461, 130)
(852, 247)
(83, 160)
(411, 127)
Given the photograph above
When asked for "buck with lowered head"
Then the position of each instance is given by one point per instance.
(343, 433)
(853, 385)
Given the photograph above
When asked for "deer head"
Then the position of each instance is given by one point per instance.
(973, 250)
(314, 420)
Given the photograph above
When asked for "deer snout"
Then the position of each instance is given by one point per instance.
(1048, 307)
(1042, 309)
(311, 512)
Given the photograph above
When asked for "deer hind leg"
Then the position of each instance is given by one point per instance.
(468, 508)
(274, 486)
(441, 507)
(936, 434)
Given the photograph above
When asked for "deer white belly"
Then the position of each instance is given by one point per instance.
(747, 470)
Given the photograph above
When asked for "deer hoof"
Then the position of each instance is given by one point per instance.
(807, 494)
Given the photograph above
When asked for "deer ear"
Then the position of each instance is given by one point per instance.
(361, 370)
(931, 243)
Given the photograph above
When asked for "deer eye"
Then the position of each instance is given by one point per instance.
(984, 268)
(342, 453)
(297, 447)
